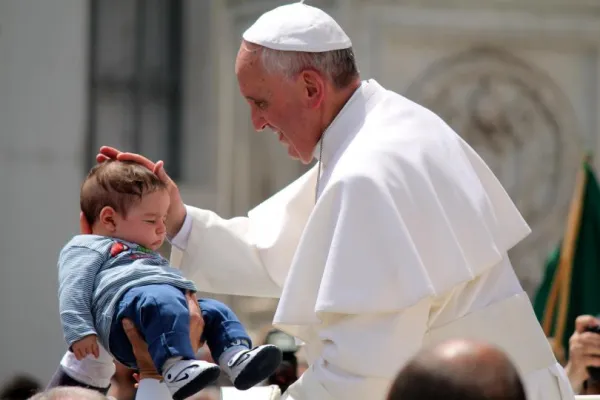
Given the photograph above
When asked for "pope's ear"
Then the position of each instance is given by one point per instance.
(314, 87)
(107, 218)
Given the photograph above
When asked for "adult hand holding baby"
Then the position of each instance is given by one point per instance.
(146, 368)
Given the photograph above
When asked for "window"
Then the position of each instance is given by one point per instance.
(136, 78)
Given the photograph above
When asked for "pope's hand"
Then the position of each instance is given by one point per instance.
(177, 212)
(584, 351)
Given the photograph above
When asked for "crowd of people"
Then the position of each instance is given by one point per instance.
(445, 371)
(452, 370)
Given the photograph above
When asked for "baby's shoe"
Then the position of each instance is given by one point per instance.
(187, 377)
(250, 367)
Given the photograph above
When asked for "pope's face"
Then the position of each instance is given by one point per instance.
(286, 106)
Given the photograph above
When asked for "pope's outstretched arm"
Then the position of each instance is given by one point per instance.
(248, 256)
(373, 316)
(220, 255)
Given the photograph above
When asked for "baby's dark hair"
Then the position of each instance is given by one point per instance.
(117, 184)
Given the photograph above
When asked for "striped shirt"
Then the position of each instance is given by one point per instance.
(94, 272)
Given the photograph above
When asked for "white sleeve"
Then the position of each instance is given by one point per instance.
(221, 256)
(152, 389)
(91, 371)
(362, 354)
(180, 240)
(247, 256)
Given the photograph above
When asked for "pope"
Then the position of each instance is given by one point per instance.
(395, 240)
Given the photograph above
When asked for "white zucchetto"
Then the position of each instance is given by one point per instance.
(297, 27)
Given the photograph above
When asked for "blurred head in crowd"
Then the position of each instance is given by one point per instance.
(458, 370)
(20, 387)
(209, 393)
(126, 201)
(69, 393)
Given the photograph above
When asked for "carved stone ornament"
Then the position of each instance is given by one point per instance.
(522, 125)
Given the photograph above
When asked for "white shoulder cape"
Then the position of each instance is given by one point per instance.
(409, 212)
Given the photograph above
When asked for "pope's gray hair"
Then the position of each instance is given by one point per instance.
(339, 66)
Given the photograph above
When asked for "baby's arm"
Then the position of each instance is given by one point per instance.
(77, 269)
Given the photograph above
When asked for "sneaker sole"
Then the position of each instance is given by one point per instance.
(263, 365)
(198, 383)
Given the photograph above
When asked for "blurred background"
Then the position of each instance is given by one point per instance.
(518, 79)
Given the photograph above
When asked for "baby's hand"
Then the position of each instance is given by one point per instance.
(86, 346)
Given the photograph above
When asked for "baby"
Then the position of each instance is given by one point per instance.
(116, 273)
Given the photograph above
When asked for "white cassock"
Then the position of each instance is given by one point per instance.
(406, 246)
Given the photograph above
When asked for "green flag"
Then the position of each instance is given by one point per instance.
(571, 284)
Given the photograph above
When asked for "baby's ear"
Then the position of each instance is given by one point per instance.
(107, 218)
